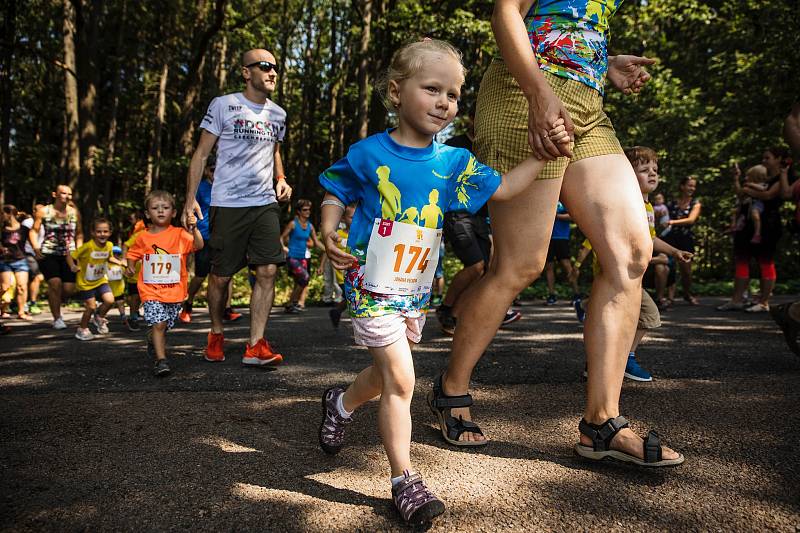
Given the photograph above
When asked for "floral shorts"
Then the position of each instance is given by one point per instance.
(157, 312)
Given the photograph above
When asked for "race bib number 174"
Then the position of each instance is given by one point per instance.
(401, 258)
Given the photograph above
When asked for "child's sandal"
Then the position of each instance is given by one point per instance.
(604, 433)
(452, 428)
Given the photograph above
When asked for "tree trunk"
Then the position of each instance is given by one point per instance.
(151, 178)
(116, 85)
(380, 61)
(222, 64)
(363, 70)
(86, 193)
(333, 85)
(71, 156)
(194, 77)
(9, 38)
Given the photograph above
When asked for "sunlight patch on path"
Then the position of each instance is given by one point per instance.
(226, 446)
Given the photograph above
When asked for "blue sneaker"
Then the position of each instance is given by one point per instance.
(635, 372)
(580, 312)
(551, 300)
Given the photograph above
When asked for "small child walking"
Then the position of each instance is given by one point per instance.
(160, 254)
(294, 240)
(90, 262)
(116, 280)
(402, 182)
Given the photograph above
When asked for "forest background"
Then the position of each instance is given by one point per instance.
(107, 95)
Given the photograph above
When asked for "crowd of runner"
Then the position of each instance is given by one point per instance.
(506, 213)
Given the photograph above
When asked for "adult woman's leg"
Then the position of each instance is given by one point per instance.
(22, 293)
(54, 288)
(686, 279)
(603, 197)
(520, 250)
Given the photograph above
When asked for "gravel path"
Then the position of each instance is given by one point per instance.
(89, 440)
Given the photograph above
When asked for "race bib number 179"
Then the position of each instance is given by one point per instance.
(161, 269)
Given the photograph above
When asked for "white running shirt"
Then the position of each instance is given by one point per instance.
(247, 135)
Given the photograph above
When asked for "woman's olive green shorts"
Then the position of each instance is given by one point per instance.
(501, 122)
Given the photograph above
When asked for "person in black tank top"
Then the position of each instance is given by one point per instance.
(683, 214)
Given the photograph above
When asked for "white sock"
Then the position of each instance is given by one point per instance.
(340, 407)
(398, 479)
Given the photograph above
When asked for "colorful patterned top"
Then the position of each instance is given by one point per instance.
(403, 184)
(59, 233)
(569, 38)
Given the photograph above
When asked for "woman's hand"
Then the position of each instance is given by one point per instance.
(682, 256)
(545, 111)
(627, 72)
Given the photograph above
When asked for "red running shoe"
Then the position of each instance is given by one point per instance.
(214, 352)
(261, 354)
(231, 315)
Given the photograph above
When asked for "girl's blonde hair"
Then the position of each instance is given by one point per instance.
(409, 59)
(159, 195)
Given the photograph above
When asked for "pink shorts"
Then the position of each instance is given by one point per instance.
(379, 331)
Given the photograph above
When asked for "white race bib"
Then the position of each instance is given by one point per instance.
(115, 273)
(94, 271)
(401, 258)
(161, 269)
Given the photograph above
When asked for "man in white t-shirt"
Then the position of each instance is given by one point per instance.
(247, 128)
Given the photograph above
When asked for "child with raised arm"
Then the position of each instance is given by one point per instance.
(403, 182)
(90, 262)
(160, 254)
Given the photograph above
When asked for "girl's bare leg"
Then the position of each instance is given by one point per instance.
(396, 369)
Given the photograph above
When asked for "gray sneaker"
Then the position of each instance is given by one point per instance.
(100, 323)
(415, 503)
(161, 369)
(331, 430)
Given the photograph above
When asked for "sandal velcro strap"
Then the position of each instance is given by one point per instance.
(443, 401)
(449, 402)
(457, 426)
(652, 448)
(604, 433)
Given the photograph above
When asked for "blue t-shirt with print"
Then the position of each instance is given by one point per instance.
(403, 184)
(560, 227)
(203, 197)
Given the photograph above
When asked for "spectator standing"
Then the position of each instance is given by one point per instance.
(683, 213)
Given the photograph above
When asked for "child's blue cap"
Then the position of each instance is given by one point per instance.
(116, 250)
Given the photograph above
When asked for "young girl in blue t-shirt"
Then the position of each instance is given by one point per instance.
(403, 182)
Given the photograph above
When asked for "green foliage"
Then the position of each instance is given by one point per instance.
(726, 75)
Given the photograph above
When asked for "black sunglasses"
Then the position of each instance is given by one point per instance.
(265, 66)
